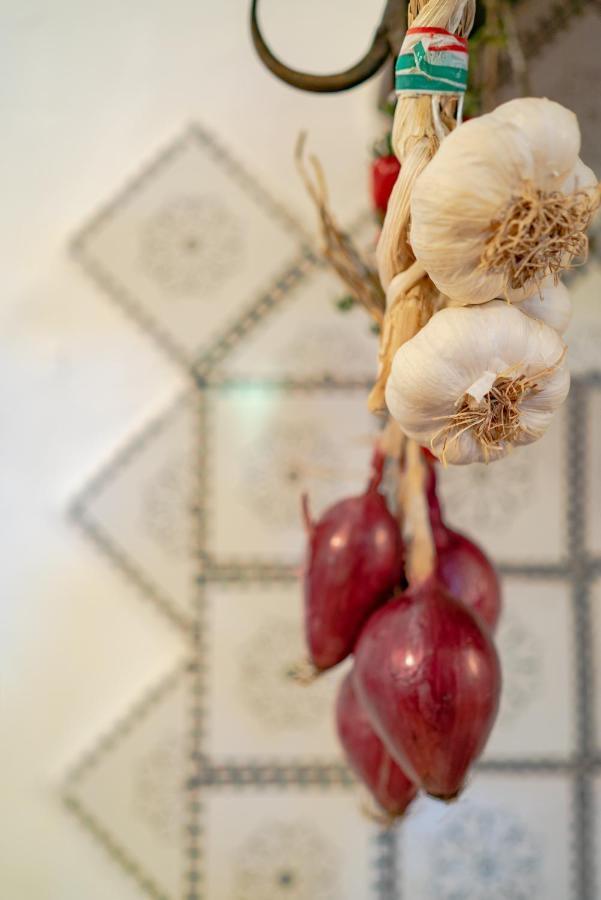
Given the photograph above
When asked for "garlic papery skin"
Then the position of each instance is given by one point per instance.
(495, 188)
(552, 305)
(476, 381)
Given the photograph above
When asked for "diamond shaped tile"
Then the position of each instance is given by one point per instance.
(255, 709)
(304, 844)
(507, 836)
(517, 506)
(139, 508)
(268, 445)
(306, 337)
(536, 717)
(189, 245)
(129, 790)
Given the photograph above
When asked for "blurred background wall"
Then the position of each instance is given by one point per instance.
(155, 239)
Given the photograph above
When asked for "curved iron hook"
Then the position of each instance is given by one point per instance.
(387, 41)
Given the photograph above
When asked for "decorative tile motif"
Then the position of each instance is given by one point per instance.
(307, 337)
(289, 858)
(502, 502)
(127, 791)
(268, 446)
(536, 718)
(139, 509)
(308, 845)
(254, 708)
(507, 836)
(189, 245)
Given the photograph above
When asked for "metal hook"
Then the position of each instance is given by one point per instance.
(387, 41)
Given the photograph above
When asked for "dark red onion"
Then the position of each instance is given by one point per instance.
(462, 565)
(367, 756)
(428, 675)
(354, 562)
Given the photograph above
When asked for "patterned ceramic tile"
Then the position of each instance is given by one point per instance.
(139, 508)
(255, 710)
(294, 844)
(128, 791)
(307, 336)
(584, 333)
(516, 506)
(507, 837)
(268, 445)
(536, 718)
(594, 474)
(189, 245)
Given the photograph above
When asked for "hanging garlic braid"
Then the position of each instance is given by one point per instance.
(416, 137)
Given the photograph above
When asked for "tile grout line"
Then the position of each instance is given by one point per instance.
(387, 885)
(577, 456)
(192, 786)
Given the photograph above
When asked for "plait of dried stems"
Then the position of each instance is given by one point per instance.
(399, 313)
(538, 233)
(413, 307)
(421, 557)
(337, 246)
(415, 139)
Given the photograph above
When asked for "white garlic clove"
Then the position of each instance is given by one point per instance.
(581, 178)
(486, 174)
(431, 389)
(553, 134)
(552, 305)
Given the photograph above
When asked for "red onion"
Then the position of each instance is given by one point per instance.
(462, 566)
(367, 755)
(428, 675)
(354, 562)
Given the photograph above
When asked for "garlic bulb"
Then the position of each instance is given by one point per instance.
(494, 212)
(552, 305)
(477, 380)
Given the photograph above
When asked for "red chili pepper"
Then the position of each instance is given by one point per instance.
(384, 172)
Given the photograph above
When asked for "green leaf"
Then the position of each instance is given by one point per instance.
(346, 303)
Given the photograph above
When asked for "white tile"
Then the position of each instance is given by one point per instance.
(307, 337)
(131, 787)
(142, 504)
(583, 336)
(506, 837)
(516, 507)
(189, 245)
(299, 845)
(255, 710)
(535, 641)
(267, 447)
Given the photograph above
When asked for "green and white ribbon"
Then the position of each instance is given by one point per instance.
(432, 61)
